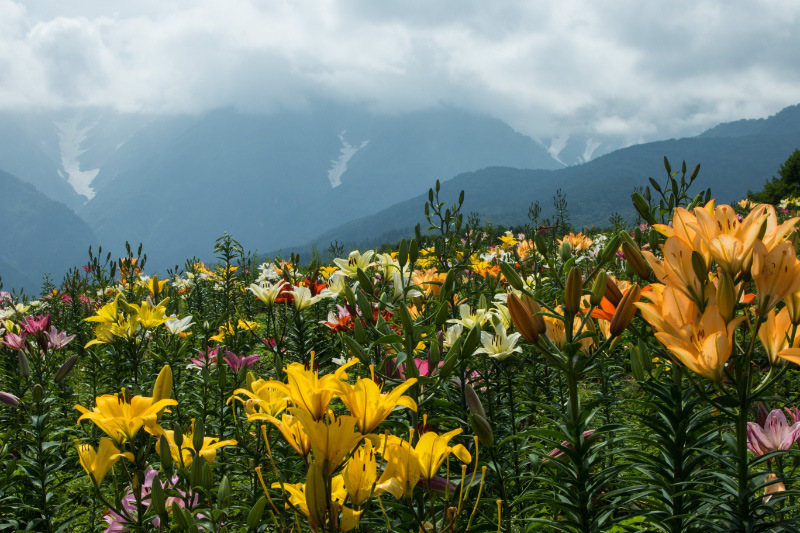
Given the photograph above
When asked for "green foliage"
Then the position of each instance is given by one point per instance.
(787, 185)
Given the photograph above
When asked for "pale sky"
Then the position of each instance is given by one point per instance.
(639, 69)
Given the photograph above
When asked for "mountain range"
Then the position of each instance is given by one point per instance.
(319, 174)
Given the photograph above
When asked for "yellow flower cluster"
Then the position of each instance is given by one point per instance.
(693, 308)
(342, 448)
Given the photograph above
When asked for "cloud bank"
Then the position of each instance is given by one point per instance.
(632, 69)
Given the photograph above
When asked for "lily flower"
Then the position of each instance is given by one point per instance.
(729, 241)
(307, 390)
(237, 362)
(177, 326)
(368, 404)
(776, 273)
(150, 316)
(303, 298)
(332, 438)
(57, 339)
(293, 431)
(500, 345)
(185, 454)
(360, 474)
(433, 449)
(301, 493)
(268, 294)
(98, 463)
(354, 261)
(468, 319)
(774, 336)
(402, 469)
(775, 434)
(121, 417)
(264, 401)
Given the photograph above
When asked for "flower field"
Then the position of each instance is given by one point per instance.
(473, 378)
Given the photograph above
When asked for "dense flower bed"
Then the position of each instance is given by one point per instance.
(469, 380)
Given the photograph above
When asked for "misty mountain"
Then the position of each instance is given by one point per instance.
(734, 158)
(274, 180)
(39, 236)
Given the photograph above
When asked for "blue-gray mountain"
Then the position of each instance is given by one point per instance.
(735, 157)
(272, 181)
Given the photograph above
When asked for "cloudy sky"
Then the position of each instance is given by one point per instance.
(641, 70)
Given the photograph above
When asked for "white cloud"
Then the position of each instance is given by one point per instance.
(635, 69)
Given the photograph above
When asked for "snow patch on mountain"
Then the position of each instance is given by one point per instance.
(70, 137)
(591, 146)
(557, 144)
(339, 165)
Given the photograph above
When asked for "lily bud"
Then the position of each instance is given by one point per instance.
(636, 261)
(699, 266)
(598, 287)
(482, 429)
(38, 393)
(625, 311)
(162, 389)
(65, 369)
(522, 319)
(473, 402)
(565, 251)
(22, 362)
(573, 291)
(612, 294)
(726, 297)
(541, 244)
(315, 497)
(9, 399)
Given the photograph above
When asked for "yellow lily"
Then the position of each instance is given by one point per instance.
(401, 470)
(332, 438)
(359, 474)
(186, 453)
(301, 493)
(774, 233)
(294, 433)
(264, 400)
(433, 449)
(150, 316)
(774, 335)
(729, 241)
(703, 347)
(155, 286)
(676, 269)
(776, 273)
(98, 463)
(307, 390)
(121, 417)
(368, 405)
(106, 314)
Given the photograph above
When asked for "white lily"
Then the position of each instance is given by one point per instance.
(354, 261)
(176, 326)
(469, 319)
(303, 298)
(268, 293)
(499, 345)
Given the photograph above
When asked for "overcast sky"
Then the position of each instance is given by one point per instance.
(640, 69)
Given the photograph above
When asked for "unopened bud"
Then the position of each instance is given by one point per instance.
(9, 399)
(22, 362)
(38, 393)
(612, 294)
(598, 287)
(726, 297)
(699, 266)
(482, 429)
(565, 251)
(65, 369)
(625, 311)
(541, 244)
(522, 319)
(473, 402)
(636, 261)
(573, 291)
